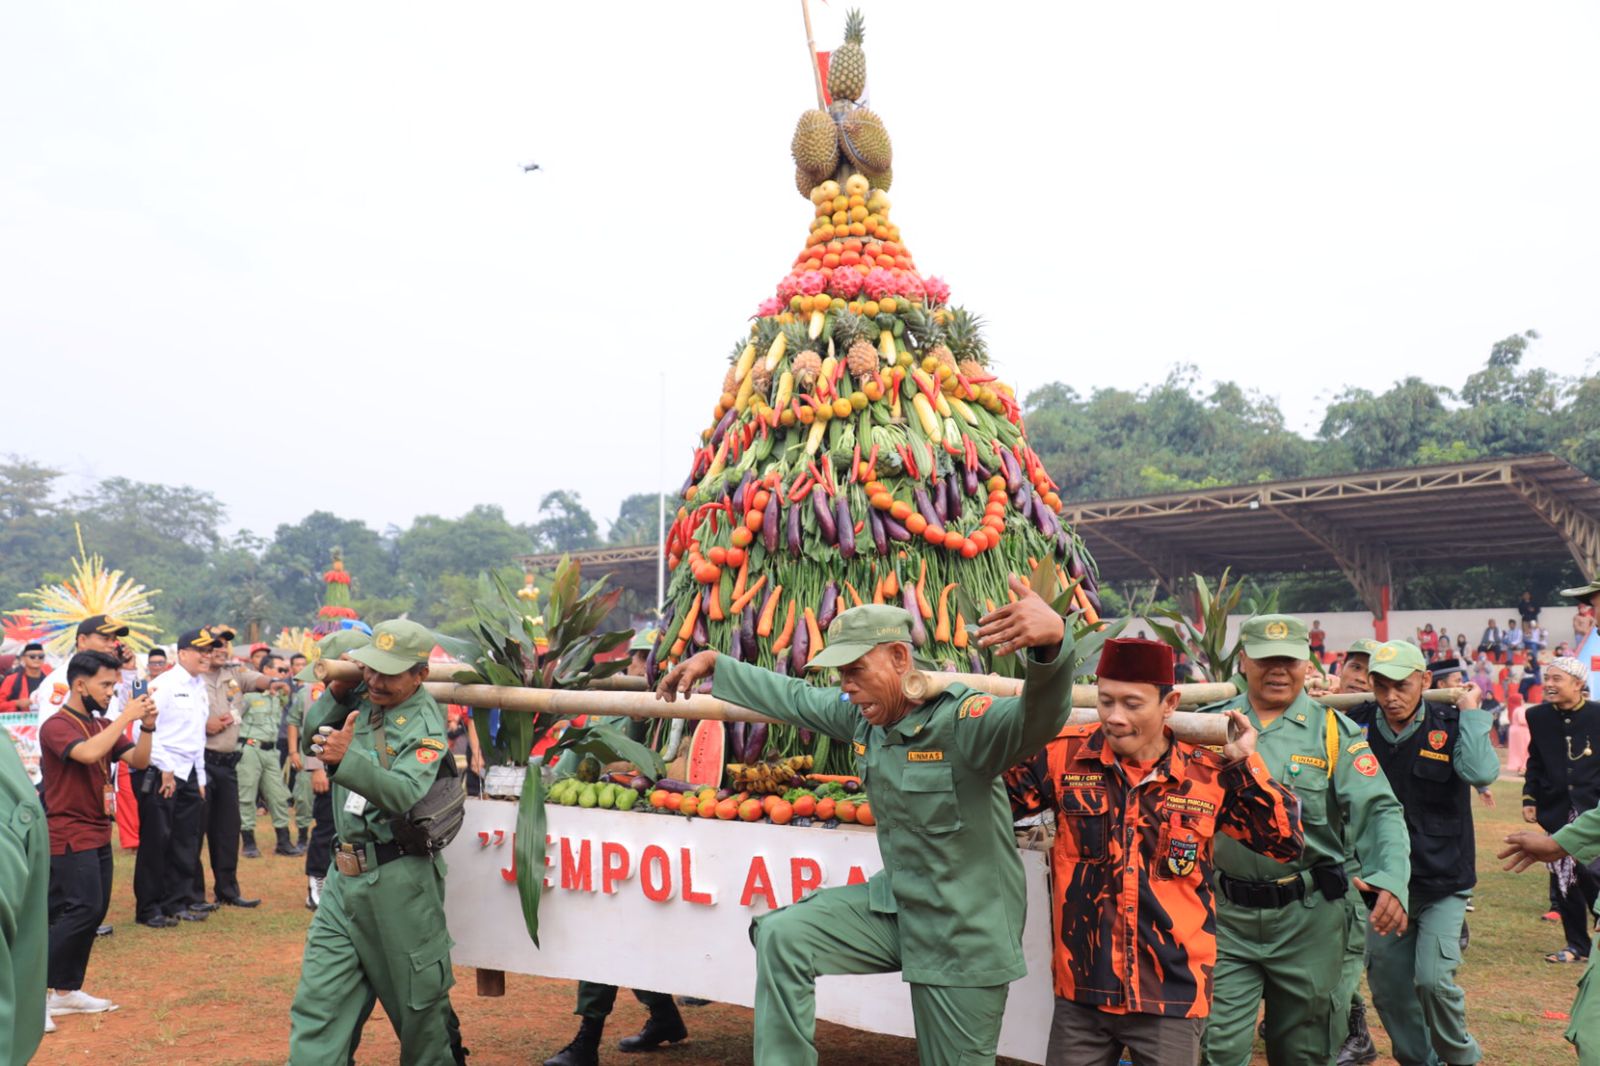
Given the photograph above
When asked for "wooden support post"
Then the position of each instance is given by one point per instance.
(491, 982)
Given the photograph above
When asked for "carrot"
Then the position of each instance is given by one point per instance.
(739, 580)
(877, 590)
(769, 613)
(891, 584)
(959, 638)
(989, 604)
(855, 596)
(678, 647)
(941, 632)
(838, 779)
(1090, 615)
(787, 634)
(714, 611)
(923, 606)
(814, 633)
(749, 594)
(686, 630)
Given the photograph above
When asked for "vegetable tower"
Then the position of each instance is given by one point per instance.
(335, 609)
(861, 450)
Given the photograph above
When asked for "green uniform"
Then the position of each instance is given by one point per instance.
(1581, 839)
(379, 934)
(259, 766)
(1412, 975)
(947, 908)
(24, 909)
(302, 795)
(1297, 956)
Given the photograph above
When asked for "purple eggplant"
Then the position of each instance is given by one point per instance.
(690, 481)
(722, 428)
(952, 482)
(735, 740)
(755, 743)
(852, 787)
(984, 473)
(830, 605)
(673, 785)
(1075, 567)
(1012, 471)
(941, 505)
(736, 644)
(702, 635)
(794, 530)
(925, 506)
(880, 537)
(1093, 598)
(908, 600)
(893, 529)
(797, 651)
(743, 491)
(770, 520)
(747, 633)
(973, 660)
(780, 666)
(846, 528)
(807, 736)
(971, 479)
(651, 674)
(825, 523)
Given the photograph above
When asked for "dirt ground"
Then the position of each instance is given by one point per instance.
(218, 992)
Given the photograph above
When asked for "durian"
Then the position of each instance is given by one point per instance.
(815, 145)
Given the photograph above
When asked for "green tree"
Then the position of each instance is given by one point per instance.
(637, 521)
(564, 524)
(300, 553)
(434, 548)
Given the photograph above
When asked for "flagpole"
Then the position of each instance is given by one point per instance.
(811, 56)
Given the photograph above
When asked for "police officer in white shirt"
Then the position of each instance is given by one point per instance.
(171, 790)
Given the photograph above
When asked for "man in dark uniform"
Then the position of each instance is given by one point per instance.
(1432, 755)
(226, 680)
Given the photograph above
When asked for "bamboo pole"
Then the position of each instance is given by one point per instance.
(811, 57)
(340, 670)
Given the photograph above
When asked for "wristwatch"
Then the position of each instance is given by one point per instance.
(146, 728)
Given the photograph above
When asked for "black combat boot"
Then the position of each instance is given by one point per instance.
(300, 839)
(250, 849)
(285, 845)
(1358, 1048)
(664, 1026)
(584, 1049)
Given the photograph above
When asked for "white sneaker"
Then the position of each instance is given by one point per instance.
(77, 1002)
(49, 1023)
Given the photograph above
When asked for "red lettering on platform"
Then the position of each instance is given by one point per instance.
(705, 899)
(655, 874)
(548, 862)
(858, 876)
(804, 875)
(614, 866)
(758, 883)
(577, 871)
(509, 873)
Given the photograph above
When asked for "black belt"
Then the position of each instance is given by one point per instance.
(225, 758)
(1262, 895)
(264, 745)
(351, 859)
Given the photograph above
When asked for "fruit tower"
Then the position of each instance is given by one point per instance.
(335, 610)
(862, 449)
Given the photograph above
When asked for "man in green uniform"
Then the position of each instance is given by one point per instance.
(259, 768)
(947, 908)
(24, 909)
(1432, 756)
(380, 931)
(1358, 1048)
(302, 795)
(595, 1000)
(1286, 933)
(319, 849)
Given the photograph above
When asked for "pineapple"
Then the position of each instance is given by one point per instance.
(862, 359)
(847, 70)
(761, 380)
(806, 363)
(964, 332)
(943, 355)
(730, 381)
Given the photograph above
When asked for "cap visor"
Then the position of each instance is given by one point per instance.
(1393, 671)
(1278, 649)
(308, 675)
(838, 655)
(383, 661)
(1582, 590)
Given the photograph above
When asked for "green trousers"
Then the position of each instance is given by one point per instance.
(1584, 1032)
(1413, 982)
(595, 1000)
(1292, 957)
(378, 935)
(260, 770)
(834, 931)
(303, 799)
(1355, 958)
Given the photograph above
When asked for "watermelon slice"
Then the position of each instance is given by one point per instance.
(706, 755)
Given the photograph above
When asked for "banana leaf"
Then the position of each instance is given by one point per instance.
(528, 852)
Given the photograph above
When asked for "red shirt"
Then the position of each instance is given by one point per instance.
(74, 792)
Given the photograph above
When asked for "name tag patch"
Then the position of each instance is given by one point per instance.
(1078, 780)
(1439, 755)
(925, 756)
(858, 748)
(1190, 805)
(1311, 760)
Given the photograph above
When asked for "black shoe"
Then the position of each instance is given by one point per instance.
(300, 839)
(285, 847)
(584, 1049)
(189, 916)
(160, 921)
(664, 1026)
(694, 1001)
(1358, 1048)
(250, 849)
(1466, 935)
(104, 930)
(204, 908)
(238, 901)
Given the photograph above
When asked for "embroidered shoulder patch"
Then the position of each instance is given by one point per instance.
(1436, 739)
(426, 755)
(429, 742)
(975, 706)
(1359, 745)
(1366, 765)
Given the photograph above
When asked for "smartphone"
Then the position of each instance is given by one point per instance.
(140, 687)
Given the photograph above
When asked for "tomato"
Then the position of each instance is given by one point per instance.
(735, 557)
(805, 806)
(718, 555)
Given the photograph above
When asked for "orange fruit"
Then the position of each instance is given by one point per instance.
(882, 501)
(727, 810)
(887, 305)
(864, 815)
(750, 810)
(742, 536)
(805, 806)
(914, 522)
(901, 511)
(932, 534)
(845, 811)
(658, 798)
(825, 809)
(781, 812)
(768, 801)
(870, 309)
(953, 539)
(670, 800)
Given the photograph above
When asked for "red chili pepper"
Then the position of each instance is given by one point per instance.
(855, 465)
(872, 461)
(802, 487)
(905, 457)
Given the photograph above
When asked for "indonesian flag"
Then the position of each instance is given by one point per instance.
(822, 72)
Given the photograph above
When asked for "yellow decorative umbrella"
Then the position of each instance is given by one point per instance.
(92, 590)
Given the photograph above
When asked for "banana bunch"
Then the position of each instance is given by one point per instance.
(769, 777)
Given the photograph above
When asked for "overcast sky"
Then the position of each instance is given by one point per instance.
(287, 253)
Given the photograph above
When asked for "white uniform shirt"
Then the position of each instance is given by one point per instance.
(182, 706)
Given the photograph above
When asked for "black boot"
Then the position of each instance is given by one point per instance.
(1358, 1048)
(285, 846)
(300, 838)
(250, 849)
(584, 1049)
(664, 1026)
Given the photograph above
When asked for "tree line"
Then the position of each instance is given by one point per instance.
(1168, 436)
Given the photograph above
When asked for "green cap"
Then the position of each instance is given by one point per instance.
(1363, 646)
(332, 646)
(1582, 592)
(1397, 660)
(860, 629)
(1269, 636)
(643, 640)
(396, 647)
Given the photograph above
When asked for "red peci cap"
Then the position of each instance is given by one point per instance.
(1146, 662)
